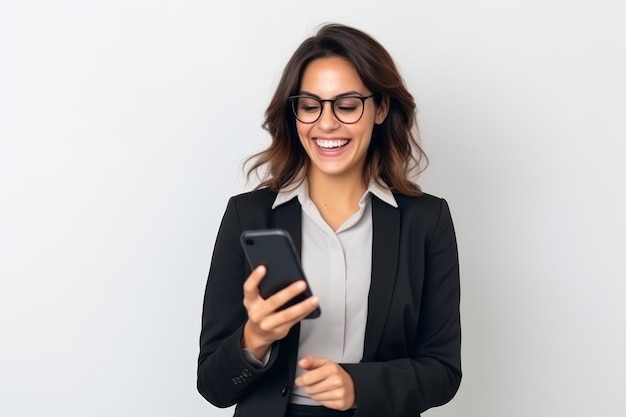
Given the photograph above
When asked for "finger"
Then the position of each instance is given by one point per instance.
(281, 297)
(322, 392)
(274, 302)
(315, 376)
(251, 285)
(310, 380)
(329, 382)
(305, 363)
(290, 316)
(335, 392)
(310, 362)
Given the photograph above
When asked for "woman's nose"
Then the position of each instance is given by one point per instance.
(328, 120)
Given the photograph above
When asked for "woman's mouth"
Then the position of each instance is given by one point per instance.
(331, 143)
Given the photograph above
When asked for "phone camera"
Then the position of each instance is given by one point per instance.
(249, 242)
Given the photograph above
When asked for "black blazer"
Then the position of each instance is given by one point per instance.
(411, 359)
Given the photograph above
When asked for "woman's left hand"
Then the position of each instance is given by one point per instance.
(327, 383)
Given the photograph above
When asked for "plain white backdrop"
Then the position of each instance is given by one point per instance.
(123, 126)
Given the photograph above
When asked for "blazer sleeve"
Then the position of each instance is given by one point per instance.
(224, 373)
(431, 374)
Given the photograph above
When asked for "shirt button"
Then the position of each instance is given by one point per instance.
(285, 391)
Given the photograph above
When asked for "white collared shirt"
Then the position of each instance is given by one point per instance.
(338, 266)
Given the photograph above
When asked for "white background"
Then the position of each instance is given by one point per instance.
(123, 126)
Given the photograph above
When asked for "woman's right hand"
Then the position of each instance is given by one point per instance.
(265, 323)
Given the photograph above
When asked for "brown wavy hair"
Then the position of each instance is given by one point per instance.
(394, 152)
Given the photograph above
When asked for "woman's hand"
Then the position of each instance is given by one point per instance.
(327, 383)
(265, 324)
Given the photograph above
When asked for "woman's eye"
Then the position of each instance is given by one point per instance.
(348, 105)
(309, 109)
(308, 105)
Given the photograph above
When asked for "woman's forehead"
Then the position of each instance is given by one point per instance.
(331, 76)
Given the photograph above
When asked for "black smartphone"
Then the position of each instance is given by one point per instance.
(274, 249)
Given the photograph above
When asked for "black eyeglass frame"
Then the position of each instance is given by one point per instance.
(292, 101)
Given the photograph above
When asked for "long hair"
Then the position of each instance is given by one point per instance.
(394, 152)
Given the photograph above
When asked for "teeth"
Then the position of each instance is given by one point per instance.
(331, 144)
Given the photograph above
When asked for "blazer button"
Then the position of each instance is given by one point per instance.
(285, 391)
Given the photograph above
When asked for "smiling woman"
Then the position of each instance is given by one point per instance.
(379, 255)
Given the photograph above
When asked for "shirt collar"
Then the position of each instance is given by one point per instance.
(382, 191)
(300, 189)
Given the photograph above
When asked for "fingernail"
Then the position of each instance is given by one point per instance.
(315, 300)
(301, 285)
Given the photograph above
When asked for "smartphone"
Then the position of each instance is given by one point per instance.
(274, 249)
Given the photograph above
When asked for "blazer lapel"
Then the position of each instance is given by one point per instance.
(288, 216)
(385, 242)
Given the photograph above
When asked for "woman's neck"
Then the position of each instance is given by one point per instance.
(336, 198)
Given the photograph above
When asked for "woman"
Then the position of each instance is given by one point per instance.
(380, 255)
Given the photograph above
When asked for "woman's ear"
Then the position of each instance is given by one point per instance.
(382, 110)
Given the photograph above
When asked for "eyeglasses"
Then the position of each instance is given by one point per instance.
(347, 110)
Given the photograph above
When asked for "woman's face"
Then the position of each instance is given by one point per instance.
(337, 149)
